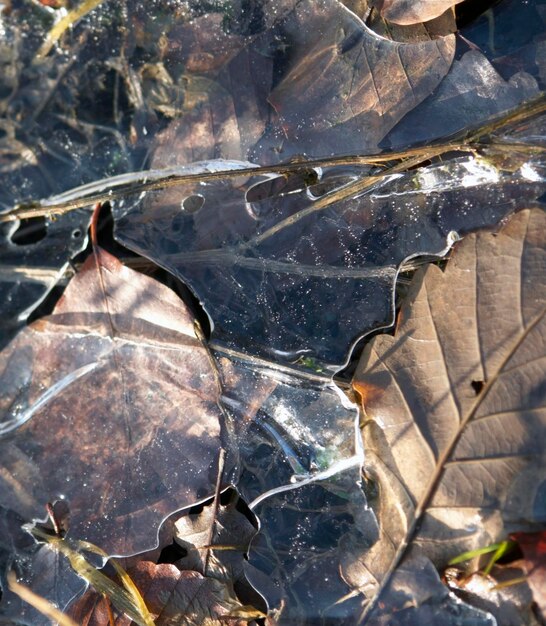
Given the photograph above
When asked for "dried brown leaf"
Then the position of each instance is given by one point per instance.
(174, 597)
(414, 11)
(343, 88)
(456, 416)
(111, 404)
(345, 74)
(231, 534)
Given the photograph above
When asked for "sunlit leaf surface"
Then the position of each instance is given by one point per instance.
(455, 408)
(414, 11)
(104, 383)
(120, 409)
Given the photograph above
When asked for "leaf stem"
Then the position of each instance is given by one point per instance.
(119, 186)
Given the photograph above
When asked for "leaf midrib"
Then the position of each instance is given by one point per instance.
(432, 486)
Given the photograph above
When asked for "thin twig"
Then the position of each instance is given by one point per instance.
(118, 186)
(216, 506)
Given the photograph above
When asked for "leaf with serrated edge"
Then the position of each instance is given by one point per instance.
(455, 405)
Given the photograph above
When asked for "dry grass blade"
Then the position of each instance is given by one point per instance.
(64, 23)
(128, 600)
(39, 603)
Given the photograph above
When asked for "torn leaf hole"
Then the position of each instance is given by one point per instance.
(31, 230)
(477, 385)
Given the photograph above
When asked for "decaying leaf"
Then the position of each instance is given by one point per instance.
(345, 74)
(222, 526)
(116, 385)
(503, 66)
(334, 95)
(533, 546)
(441, 26)
(455, 407)
(218, 72)
(283, 276)
(472, 91)
(174, 597)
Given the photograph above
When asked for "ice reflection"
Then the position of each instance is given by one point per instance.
(300, 278)
(300, 456)
(301, 547)
(291, 428)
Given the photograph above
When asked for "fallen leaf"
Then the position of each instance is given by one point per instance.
(504, 66)
(222, 526)
(344, 74)
(175, 598)
(333, 96)
(444, 24)
(414, 11)
(533, 546)
(472, 91)
(455, 439)
(417, 597)
(114, 383)
(75, 142)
